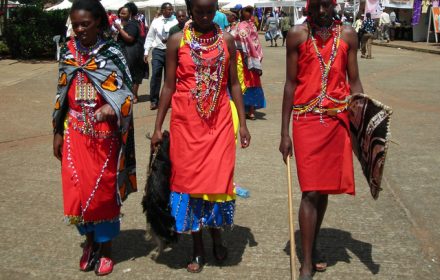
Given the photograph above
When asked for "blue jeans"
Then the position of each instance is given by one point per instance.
(157, 64)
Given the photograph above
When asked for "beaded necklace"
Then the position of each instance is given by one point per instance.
(325, 70)
(85, 92)
(209, 71)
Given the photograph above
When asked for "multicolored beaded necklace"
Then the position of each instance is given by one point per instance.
(85, 92)
(316, 103)
(209, 71)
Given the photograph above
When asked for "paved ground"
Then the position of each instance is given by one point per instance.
(392, 238)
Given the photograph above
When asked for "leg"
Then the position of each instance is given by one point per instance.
(198, 260)
(135, 92)
(271, 41)
(220, 251)
(105, 264)
(319, 262)
(387, 32)
(87, 260)
(308, 221)
(369, 44)
(364, 45)
(156, 77)
(251, 113)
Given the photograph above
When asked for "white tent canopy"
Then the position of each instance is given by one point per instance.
(274, 4)
(243, 3)
(66, 4)
(158, 3)
(113, 4)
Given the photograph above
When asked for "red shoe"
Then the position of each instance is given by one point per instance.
(87, 261)
(104, 266)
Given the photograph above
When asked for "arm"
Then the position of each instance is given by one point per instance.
(236, 94)
(168, 88)
(350, 37)
(129, 33)
(149, 40)
(294, 39)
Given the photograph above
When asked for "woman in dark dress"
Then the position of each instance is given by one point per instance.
(131, 43)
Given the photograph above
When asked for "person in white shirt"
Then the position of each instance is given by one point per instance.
(156, 42)
(384, 26)
(302, 18)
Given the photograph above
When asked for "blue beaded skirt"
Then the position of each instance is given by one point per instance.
(193, 214)
(254, 96)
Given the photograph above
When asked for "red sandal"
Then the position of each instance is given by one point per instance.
(104, 266)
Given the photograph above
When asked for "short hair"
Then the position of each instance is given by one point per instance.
(181, 11)
(164, 5)
(95, 8)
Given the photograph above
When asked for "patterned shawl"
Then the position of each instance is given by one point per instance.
(370, 133)
(248, 37)
(107, 70)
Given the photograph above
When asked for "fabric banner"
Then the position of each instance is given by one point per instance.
(369, 127)
(436, 18)
(401, 4)
(373, 7)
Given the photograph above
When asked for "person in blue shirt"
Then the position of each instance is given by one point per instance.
(221, 19)
(368, 28)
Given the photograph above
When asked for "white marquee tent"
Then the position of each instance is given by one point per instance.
(66, 4)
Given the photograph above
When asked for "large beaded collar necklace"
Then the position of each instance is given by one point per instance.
(209, 71)
(85, 92)
(316, 104)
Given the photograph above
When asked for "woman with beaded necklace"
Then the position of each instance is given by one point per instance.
(93, 133)
(200, 65)
(322, 71)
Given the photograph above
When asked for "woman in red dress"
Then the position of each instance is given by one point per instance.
(93, 133)
(200, 64)
(321, 54)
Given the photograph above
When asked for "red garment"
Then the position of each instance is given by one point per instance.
(202, 152)
(83, 159)
(322, 150)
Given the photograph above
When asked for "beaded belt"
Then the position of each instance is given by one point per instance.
(314, 107)
(87, 127)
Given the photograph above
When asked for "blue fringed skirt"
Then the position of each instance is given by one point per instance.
(254, 96)
(192, 214)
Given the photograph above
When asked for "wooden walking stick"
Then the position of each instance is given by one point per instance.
(291, 224)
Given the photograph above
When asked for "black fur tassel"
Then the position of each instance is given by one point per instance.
(157, 193)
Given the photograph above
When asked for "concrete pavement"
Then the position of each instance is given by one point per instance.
(392, 238)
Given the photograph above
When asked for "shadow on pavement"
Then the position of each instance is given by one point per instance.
(131, 244)
(235, 239)
(334, 244)
(143, 98)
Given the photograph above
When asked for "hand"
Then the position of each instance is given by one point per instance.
(258, 71)
(286, 147)
(146, 58)
(245, 137)
(117, 26)
(58, 142)
(105, 113)
(156, 139)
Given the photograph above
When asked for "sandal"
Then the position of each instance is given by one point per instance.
(220, 253)
(319, 262)
(104, 266)
(251, 117)
(199, 261)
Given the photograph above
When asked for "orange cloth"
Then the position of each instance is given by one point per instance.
(322, 150)
(202, 152)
